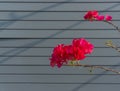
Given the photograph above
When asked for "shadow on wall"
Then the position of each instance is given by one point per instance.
(17, 51)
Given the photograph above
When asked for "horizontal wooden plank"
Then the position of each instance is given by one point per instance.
(60, 78)
(58, 87)
(47, 52)
(36, 11)
(62, 0)
(59, 33)
(62, 6)
(27, 33)
(45, 61)
(50, 15)
(59, 2)
(27, 43)
(56, 25)
(40, 70)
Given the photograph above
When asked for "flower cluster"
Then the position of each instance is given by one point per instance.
(94, 15)
(63, 54)
(77, 50)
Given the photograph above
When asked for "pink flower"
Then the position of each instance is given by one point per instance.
(85, 45)
(94, 15)
(59, 55)
(75, 52)
(108, 18)
(91, 15)
(100, 18)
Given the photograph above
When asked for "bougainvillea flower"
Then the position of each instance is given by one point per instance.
(85, 45)
(77, 51)
(100, 18)
(108, 18)
(74, 53)
(91, 15)
(94, 15)
(58, 56)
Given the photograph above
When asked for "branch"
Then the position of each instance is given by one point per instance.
(100, 67)
(110, 44)
(116, 27)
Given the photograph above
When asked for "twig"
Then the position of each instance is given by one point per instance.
(116, 27)
(110, 44)
(101, 67)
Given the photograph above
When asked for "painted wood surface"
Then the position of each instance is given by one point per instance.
(29, 30)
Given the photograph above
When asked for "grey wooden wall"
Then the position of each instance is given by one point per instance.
(29, 29)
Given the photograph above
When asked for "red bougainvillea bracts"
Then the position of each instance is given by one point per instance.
(62, 54)
(91, 15)
(94, 15)
(85, 45)
(72, 54)
(108, 18)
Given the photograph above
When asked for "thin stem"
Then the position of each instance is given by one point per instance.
(110, 44)
(116, 27)
(116, 48)
(101, 67)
